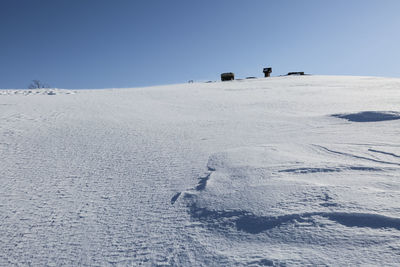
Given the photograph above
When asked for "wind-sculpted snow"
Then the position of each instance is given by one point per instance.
(370, 116)
(203, 180)
(253, 224)
(338, 169)
(253, 190)
(383, 152)
(241, 173)
(259, 178)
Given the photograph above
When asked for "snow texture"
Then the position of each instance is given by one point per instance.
(46, 91)
(283, 171)
(368, 116)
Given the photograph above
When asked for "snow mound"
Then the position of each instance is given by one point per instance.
(271, 189)
(370, 116)
(37, 92)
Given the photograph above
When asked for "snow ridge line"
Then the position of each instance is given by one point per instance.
(334, 169)
(248, 222)
(355, 156)
(383, 152)
(201, 185)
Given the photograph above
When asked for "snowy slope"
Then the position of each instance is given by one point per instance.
(280, 171)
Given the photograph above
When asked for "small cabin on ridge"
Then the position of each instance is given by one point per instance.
(227, 76)
(296, 73)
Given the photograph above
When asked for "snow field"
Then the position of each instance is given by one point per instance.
(244, 173)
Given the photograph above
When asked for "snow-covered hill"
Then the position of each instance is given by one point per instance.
(282, 171)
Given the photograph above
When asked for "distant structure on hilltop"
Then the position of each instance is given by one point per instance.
(267, 72)
(230, 76)
(227, 76)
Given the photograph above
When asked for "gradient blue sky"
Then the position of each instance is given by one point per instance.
(127, 43)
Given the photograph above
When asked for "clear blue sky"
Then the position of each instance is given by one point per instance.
(127, 43)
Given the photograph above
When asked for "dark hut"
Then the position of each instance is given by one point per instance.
(296, 73)
(227, 76)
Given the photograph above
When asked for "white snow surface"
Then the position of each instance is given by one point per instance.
(42, 91)
(281, 171)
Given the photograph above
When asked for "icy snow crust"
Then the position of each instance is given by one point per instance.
(44, 91)
(280, 171)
